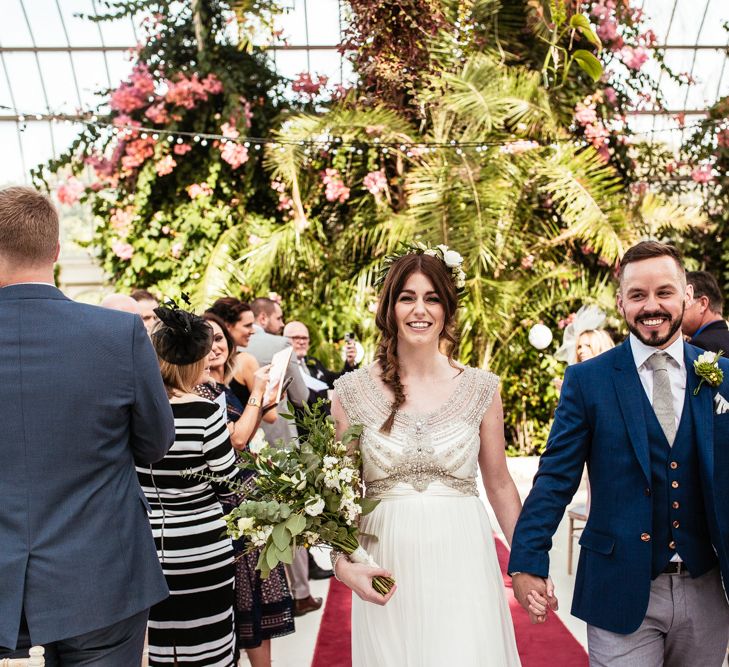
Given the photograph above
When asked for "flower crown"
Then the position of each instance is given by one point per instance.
(450, 258)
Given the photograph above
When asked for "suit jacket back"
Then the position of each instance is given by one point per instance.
(81, 398)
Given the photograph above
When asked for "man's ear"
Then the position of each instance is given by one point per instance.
(619, 302)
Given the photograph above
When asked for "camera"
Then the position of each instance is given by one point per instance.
(349, 337)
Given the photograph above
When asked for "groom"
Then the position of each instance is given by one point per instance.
(656, 546)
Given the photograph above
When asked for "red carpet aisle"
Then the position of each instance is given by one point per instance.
(542, 646)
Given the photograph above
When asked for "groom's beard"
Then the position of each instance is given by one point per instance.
(655, 339)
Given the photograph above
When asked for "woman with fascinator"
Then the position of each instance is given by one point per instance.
(194, 625)
(429, 425)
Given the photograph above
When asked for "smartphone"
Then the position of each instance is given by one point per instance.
(349, 337)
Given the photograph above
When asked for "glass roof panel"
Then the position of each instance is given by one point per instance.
(99, 63)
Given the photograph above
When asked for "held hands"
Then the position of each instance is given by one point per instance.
(358, 577)
(535, 594)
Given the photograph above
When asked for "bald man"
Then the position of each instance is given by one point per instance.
(121, 302)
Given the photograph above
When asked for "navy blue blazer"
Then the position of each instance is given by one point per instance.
(81, 399)
(600, 421)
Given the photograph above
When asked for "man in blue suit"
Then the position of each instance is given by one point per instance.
(81, 399)
(655, 549)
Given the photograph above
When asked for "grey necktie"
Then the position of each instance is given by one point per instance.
(662, 396)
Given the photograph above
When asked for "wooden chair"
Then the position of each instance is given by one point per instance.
(36, 659)
(575, 513)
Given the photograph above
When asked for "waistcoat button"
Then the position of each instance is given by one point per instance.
(645, 537)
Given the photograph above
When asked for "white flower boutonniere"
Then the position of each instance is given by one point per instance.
(707, 368)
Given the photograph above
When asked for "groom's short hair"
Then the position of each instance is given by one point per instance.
(649, 250)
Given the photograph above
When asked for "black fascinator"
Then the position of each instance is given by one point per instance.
(181, 337)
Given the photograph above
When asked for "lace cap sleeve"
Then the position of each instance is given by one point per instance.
(484, 386)
(349, 392)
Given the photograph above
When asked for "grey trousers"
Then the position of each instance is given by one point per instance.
(298, 573)
(117, 645)
(687, 623)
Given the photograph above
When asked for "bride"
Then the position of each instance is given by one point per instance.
(429, 424)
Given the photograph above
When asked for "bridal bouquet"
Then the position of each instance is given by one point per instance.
(309, 495)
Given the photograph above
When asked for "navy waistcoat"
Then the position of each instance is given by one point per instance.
(679, 515)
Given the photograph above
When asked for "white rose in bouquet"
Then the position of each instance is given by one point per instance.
(314, 506)
(245, 524)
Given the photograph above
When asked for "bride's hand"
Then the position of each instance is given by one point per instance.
(359, 577)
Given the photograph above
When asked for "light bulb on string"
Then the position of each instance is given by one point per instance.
(204, 142)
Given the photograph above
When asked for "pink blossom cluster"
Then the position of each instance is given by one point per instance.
(176, 249)
(134, 93)
(181, 149)
(199, 190)
(157, 113)
(375, 182)
(608, 14)
(234, 154)
(565, 322)
(122, 249)
(70, 191)
(187, 91)
(722, 138)
(703, 174)
(136, 152)
(634, 57)
(593, 127)
(335, 190)
(304, 84)
(121, 220)
(165, 166)
(285, 203)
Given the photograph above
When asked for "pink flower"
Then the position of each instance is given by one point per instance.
(611, 96)
(134, 93)
(165, 165)
(186, 91)
(600, 11)
(234, 154)
(247, 113)
(137, 152)
(121, 220)
(304, 84)
(199, 190)
(285, 203)
(702, 174)
(158, 114)
(212, 84)
(176, 250)
(229, 131)
(527, 262)
(335, 190)
(607, 31)
(562, 324)
(181, 149)
(375, 182)
(122, 249)
(68, 193)
(585, 112)
(722, 138)
(634, 58)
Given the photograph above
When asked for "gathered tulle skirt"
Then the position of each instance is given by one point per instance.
(450, 605)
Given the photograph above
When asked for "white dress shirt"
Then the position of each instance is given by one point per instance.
(676, 371)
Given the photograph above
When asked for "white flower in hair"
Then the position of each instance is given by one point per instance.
(452, 259)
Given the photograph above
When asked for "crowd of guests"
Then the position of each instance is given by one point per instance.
(214, 584)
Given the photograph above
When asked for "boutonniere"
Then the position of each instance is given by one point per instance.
(310, 362)
(707, 368)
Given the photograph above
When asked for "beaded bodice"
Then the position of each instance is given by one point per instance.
(441, 445)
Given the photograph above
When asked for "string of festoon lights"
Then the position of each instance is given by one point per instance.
(325, 141)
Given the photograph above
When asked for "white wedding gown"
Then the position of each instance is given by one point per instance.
(433, 533)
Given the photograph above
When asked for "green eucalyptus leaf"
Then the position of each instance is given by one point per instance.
(295, 524)
(581, 23)
(281, 536)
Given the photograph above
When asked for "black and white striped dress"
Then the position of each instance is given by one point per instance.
(194, 626)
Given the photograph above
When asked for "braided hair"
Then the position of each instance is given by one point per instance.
(401, 269)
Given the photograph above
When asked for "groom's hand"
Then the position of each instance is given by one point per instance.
(535, 594)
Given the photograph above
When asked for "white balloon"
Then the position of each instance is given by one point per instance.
(540, 336)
